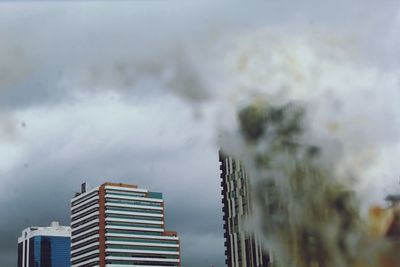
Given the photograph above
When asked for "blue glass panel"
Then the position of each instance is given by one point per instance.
(20, 251)
(49, 251)
(45, 252)
(155, 195)
(31, 256)
(61, 249)
(38, 249)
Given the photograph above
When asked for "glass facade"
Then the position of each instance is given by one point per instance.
(20, 251)
(242, 248)
(155, 195)
(48, 251)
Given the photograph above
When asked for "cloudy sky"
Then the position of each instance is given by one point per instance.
(125, 91)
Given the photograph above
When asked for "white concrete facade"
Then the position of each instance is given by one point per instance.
(121, 225)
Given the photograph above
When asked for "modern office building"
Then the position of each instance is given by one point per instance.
(118, 225)
(45, 246)
(242, 247)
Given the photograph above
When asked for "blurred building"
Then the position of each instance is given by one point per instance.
(384, 224)
(242, 247)
(45, 246)
(393, 231)
(121, 225)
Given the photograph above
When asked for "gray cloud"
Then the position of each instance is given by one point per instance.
(56, 50)
(58, 59)
(43, 181)
(8, 127)
(51, 51)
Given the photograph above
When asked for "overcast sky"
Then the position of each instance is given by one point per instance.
(123, 91)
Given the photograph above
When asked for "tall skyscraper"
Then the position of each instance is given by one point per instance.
(45, 246)
(117, 225)
(242, 248)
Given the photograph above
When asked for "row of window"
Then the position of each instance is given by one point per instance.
(141, 255)
(236, 193)
(131, 247)
(138, 240)
(83, 199)
(85, 206)
(92, 256)
(86, 243)
(93, 218)
(132, 232)
(126, 239)
(95, 246)
(118, 201)
(125, 193)
(135, 209)
(136, 247)
(116, 231)
(141, 263)
(131, 224)
(134, 217)
(89, 234)
(91, 248)
(133, 202)
(95, 223)
(139, 232)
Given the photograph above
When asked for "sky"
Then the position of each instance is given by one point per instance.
(130, 91)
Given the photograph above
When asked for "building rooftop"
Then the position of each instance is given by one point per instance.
(55, 229)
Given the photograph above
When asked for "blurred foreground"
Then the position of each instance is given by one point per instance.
(306, 214)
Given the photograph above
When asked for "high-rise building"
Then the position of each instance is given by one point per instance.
(45, 246)
(117, 225)
(242, 247)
